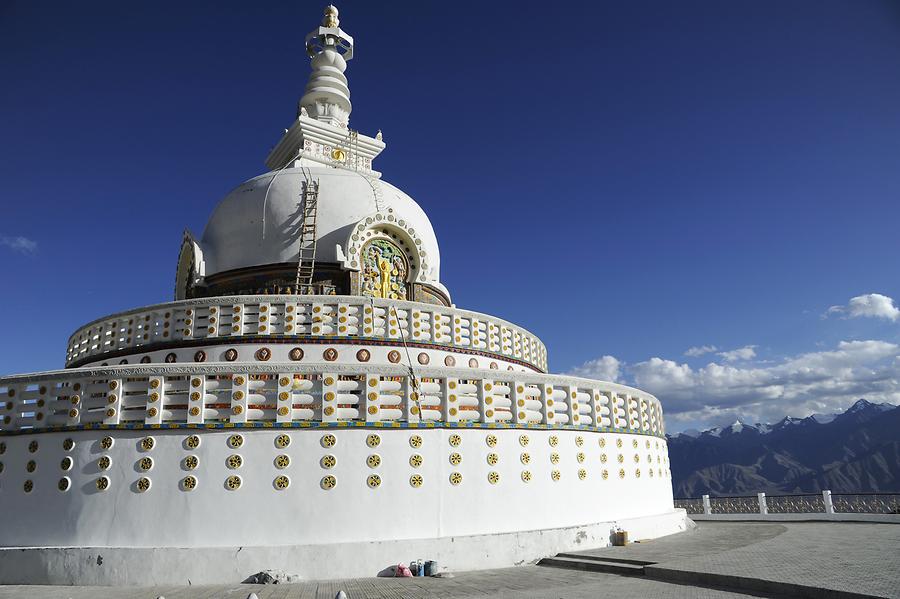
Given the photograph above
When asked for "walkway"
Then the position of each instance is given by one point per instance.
(716, 560)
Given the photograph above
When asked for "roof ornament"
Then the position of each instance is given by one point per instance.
(327, 96)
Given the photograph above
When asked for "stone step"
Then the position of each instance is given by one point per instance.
(593, 565)
(605, 558)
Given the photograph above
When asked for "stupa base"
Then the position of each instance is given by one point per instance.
(149, 566)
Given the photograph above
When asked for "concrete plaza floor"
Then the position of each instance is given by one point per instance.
(717, 559)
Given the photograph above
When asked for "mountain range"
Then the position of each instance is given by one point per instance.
(854, 452)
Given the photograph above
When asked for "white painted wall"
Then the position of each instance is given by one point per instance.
(305, 514)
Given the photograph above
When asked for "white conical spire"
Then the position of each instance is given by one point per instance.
(327, 97)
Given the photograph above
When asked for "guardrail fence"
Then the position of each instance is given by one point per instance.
(807, 503)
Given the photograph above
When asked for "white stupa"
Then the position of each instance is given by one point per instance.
(312, 401)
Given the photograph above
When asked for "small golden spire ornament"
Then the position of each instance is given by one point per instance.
(331, 17)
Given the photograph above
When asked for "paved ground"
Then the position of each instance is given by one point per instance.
(791, 559)
(851, 558)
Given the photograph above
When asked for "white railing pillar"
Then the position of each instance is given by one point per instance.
(707, 509)
(763, 508)
(829, 505)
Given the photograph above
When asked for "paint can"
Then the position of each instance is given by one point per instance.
(431, 568)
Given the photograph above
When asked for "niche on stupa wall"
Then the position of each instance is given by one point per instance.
(385, 271)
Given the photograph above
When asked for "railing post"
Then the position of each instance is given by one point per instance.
(829, 506)
(706, 507)
(763, 508)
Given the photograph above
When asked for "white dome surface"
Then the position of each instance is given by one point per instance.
(249, 228)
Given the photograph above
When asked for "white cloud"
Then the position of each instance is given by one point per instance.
(20, 244)
(823, 381)
(695, 351)
(748, 352)
(870, 305)
(604, 368)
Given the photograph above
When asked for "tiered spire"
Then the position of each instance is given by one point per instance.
(327, 96)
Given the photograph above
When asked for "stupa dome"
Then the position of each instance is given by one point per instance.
(259, 222)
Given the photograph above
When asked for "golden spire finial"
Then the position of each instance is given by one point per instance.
(331, 16)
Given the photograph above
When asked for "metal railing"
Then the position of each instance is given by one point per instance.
(286, 394)
(805, 503)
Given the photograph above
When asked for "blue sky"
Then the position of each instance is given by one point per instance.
(628, 180)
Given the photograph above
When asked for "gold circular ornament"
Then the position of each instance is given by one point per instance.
(620, 458)
(192, 442)
(582, 474)
(282, 461)
(235, 441)
(526, 476)
(491, 440)
(580, 457)
(195, 411)
(554, 458)
(328, 440)
(106, 442)
(328, 461)
(415, 460)
(328, 482)
(102, 483)
(282, 441)
(104, 462)
(455, 478)
(28, 486)
(554, 441)
(493, 477)
(579, 441)
(190, 462)
(605, 474)
(68, 444)
(373, 440)
(143, 484)
(281, 482)
(455, 440)
(189, 483)
(373, 461)
(338, 154)
(147, 443)
(602, 458)
(493, 459)
(555, 476)
(416, 480)
(373, 481)
(33, 446)
(602, 442)
(64, 484)
(233, 482)
(621, 473)
(31, 466)
(234, 461)
(637, 472)
(146, 463)
(415, 441)
(523, 440)
(525, 458)
(66, 464)
(637, 458)
(455, 459)
(619, 442)
(634, 443)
